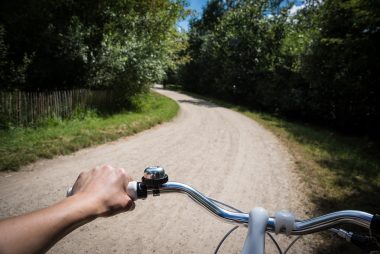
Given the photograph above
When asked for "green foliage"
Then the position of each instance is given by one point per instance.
(179, 57)
(119, 45)
(233, 59)
(342, 64)
(320, 64)
(10, 72)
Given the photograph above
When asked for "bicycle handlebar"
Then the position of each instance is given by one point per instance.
(301, 227)
(155, 181)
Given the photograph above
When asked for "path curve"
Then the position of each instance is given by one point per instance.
(218, 151)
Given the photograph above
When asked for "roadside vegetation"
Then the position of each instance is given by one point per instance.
(20, 146)
(313, 61)
(49, 49)
(54, 45)
(78, 73)
(341, 172)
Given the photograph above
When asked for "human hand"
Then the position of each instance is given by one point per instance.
(104, 189)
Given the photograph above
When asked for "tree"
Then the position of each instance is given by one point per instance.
(100, 44)
(343, 62)
(321, 64)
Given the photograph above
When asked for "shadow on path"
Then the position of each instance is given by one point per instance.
(201, 103)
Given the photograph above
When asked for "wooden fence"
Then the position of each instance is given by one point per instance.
(22, 108)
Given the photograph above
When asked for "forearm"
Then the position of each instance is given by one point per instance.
(38, 231)
(98, 192)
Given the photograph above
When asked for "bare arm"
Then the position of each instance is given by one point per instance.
(98, 192)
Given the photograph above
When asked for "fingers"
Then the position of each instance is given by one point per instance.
(123, 206)
(132, 206)
(107, 187)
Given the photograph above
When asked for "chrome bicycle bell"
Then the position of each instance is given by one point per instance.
(154, 176)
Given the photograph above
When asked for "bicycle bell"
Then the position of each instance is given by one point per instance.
(154, 176)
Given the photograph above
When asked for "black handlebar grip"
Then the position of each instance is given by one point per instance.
(142, 191)
(365, 243)
(375, 225)
(361, 241)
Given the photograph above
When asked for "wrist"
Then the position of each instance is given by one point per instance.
(84, 206)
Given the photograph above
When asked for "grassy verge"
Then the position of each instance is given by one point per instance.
(20, 146)
(340, 172)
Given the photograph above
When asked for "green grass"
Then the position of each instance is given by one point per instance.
(20, 146)
(340, 172)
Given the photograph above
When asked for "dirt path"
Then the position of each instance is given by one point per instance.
(220, 152)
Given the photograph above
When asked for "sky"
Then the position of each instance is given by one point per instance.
(198, 5)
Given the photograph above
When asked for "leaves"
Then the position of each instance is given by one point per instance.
(320, 63)
(63, 44)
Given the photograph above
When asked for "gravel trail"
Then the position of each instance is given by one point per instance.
(218, 151)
